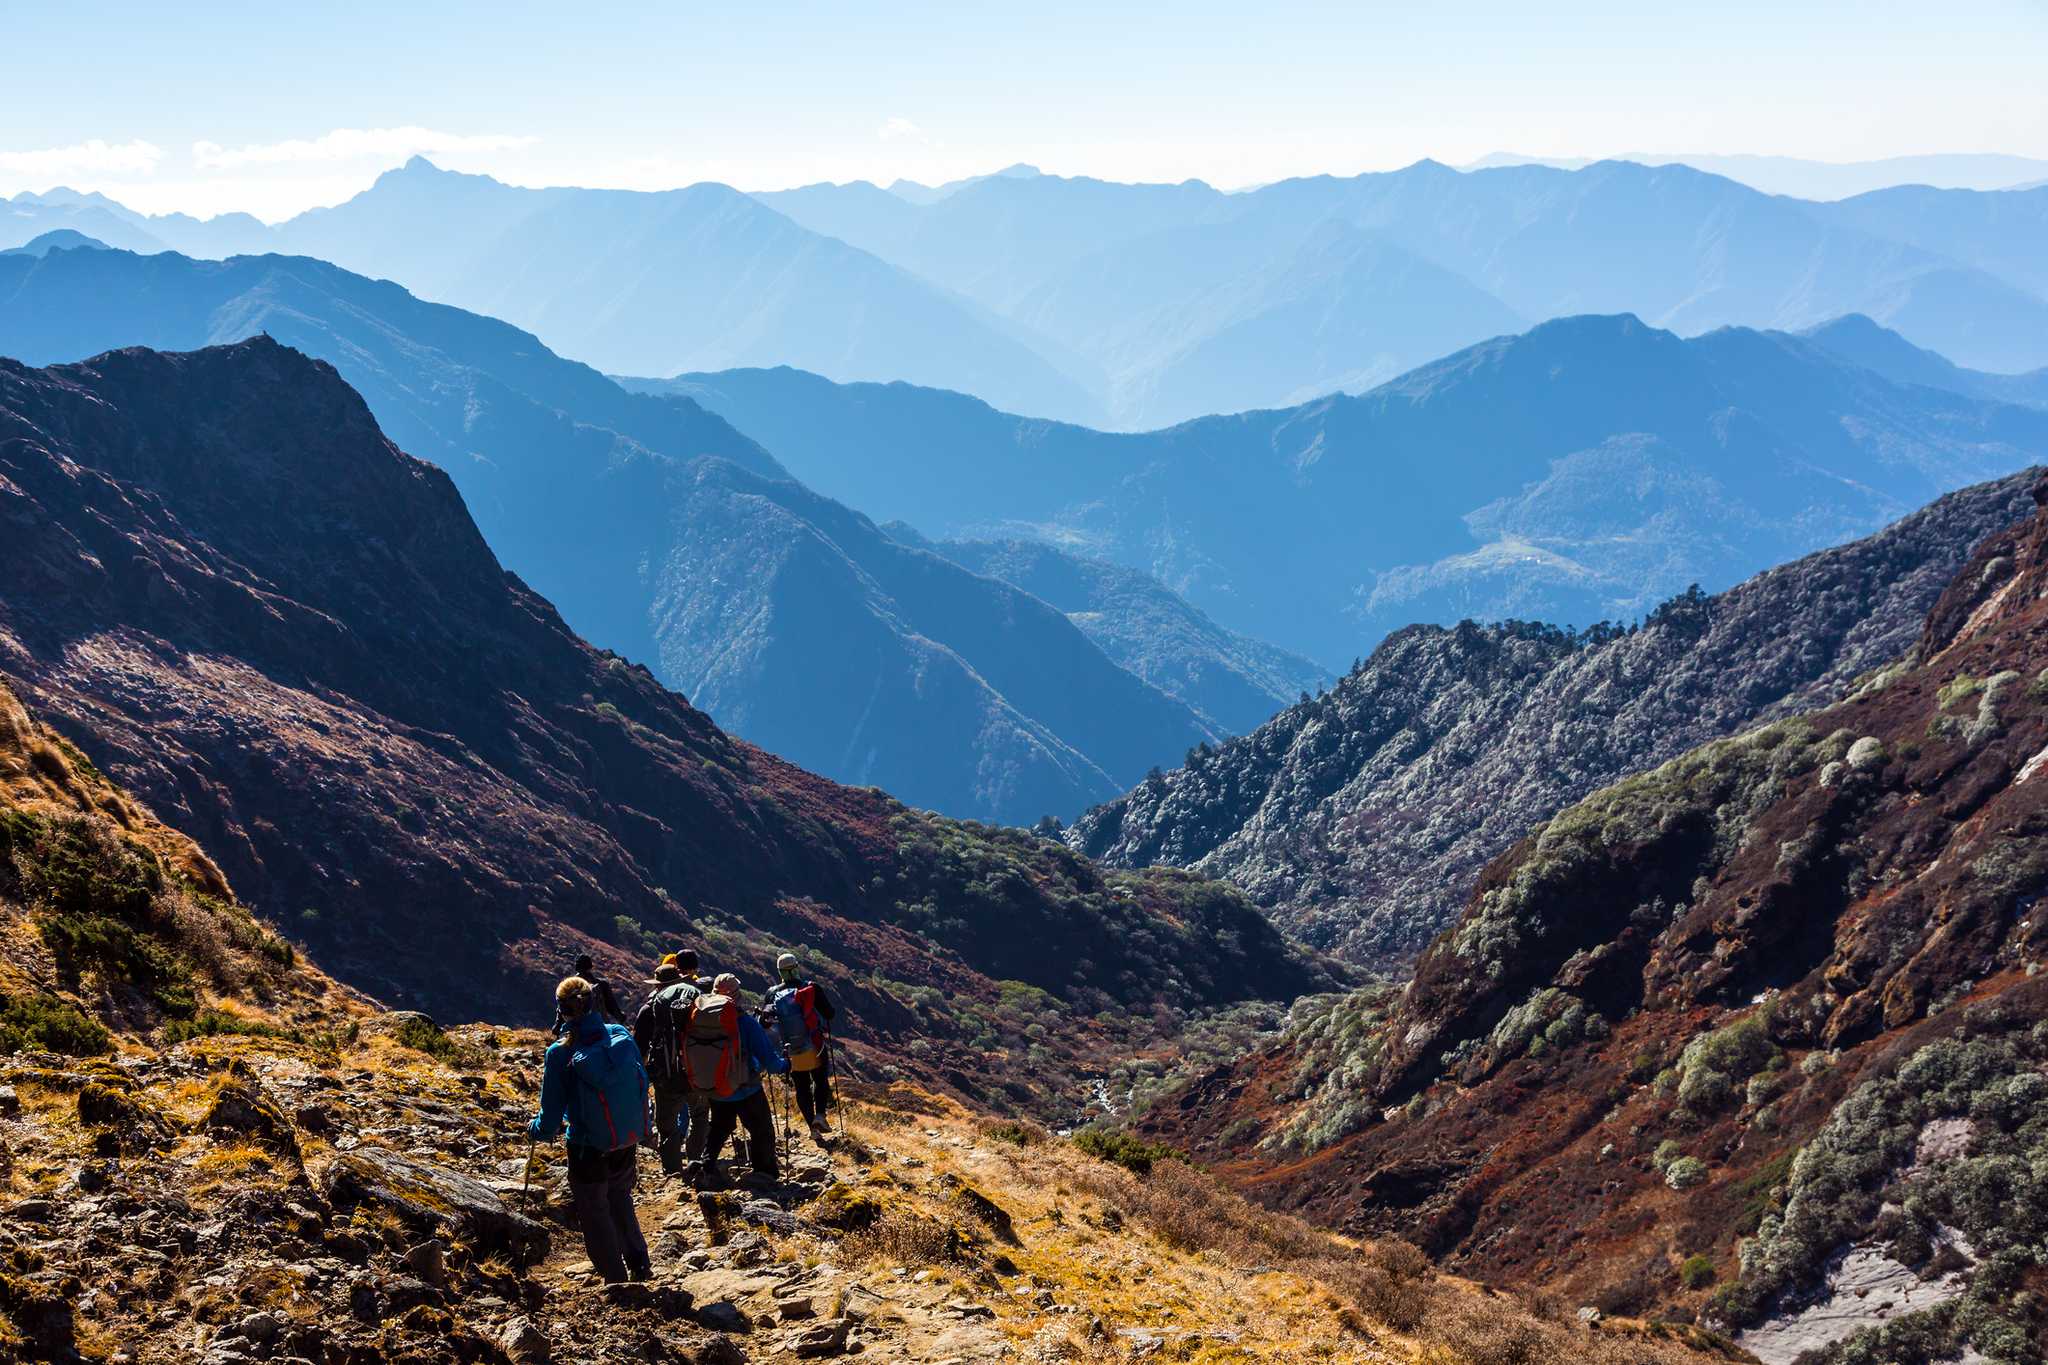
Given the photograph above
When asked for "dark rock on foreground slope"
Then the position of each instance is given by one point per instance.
(225, 585)
(1734, 1036)
(1360, 819)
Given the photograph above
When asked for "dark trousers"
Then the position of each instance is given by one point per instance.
(601, 1187)
(753, 1112)
(697, 1131)
(672, 1117)
(814, 1091)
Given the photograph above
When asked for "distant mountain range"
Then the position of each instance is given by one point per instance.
(1802, 178)
(1361, 818)
(1585, 470)
(666, 534)
(1132, 306)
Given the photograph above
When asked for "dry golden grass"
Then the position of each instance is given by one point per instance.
(1222, 1279)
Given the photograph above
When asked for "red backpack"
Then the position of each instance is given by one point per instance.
(715, 1060)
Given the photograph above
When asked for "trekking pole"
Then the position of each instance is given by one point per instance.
(526, 1184)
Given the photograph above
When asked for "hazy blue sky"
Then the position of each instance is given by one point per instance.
(214, 106)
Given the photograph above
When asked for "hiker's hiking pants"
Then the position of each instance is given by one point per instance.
(814, 1090)
(672, 1116)
(754, 1113)
(601, 1186)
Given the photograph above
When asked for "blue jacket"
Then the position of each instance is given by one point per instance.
(562, 1097)
(768, 1058)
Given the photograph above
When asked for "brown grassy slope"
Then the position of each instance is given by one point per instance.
(1699, 963)
(110, 918)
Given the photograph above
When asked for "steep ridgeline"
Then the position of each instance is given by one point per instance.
(1758, 1034)
(853, 656)
(223, 583)
(1233, 681)
(1583, 471)
(1360, 819)
(806, 628)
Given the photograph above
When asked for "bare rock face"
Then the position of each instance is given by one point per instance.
(430, 1196)
(1361, 819)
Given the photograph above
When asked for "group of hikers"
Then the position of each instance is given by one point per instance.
(685, 1076)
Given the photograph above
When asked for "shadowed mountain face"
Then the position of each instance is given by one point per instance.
(1361, 819)
(1133, 306)
(806, 628)
(227, 587)
(1234, 682)
(1775, 1004)
(1583, 471)
(592, 495)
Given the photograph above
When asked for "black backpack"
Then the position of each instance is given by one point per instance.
(671, 1006)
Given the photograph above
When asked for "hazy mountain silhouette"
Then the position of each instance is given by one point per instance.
(1802, 178)
(685, 279)
(598, 498)
(56, 239)
(1136, 277)
(1587, 469)
(1137, 305)
(1860, 341)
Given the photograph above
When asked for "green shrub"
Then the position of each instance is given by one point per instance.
(1131, 1153)
(1685, 1173)
(423, 1035)
(46, 1024)
(1697, 1272)
(216, 1023)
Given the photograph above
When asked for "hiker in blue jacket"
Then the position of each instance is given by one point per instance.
(593, 1079)
(747, 1103)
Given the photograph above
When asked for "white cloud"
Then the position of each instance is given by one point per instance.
(96, 157)
(355, 144)
(900, 129)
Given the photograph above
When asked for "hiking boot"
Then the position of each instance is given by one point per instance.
(820, 1134)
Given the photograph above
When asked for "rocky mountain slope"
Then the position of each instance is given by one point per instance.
(224, 583)
(1584, 471)
(1760, 1034)
(592, 496)
(213, 1153)
(1361, 818)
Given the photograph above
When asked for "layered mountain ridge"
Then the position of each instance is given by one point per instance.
(1585, 470)
(1135, 306)
(1361, 818)
(226, 586)
(595, 497)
